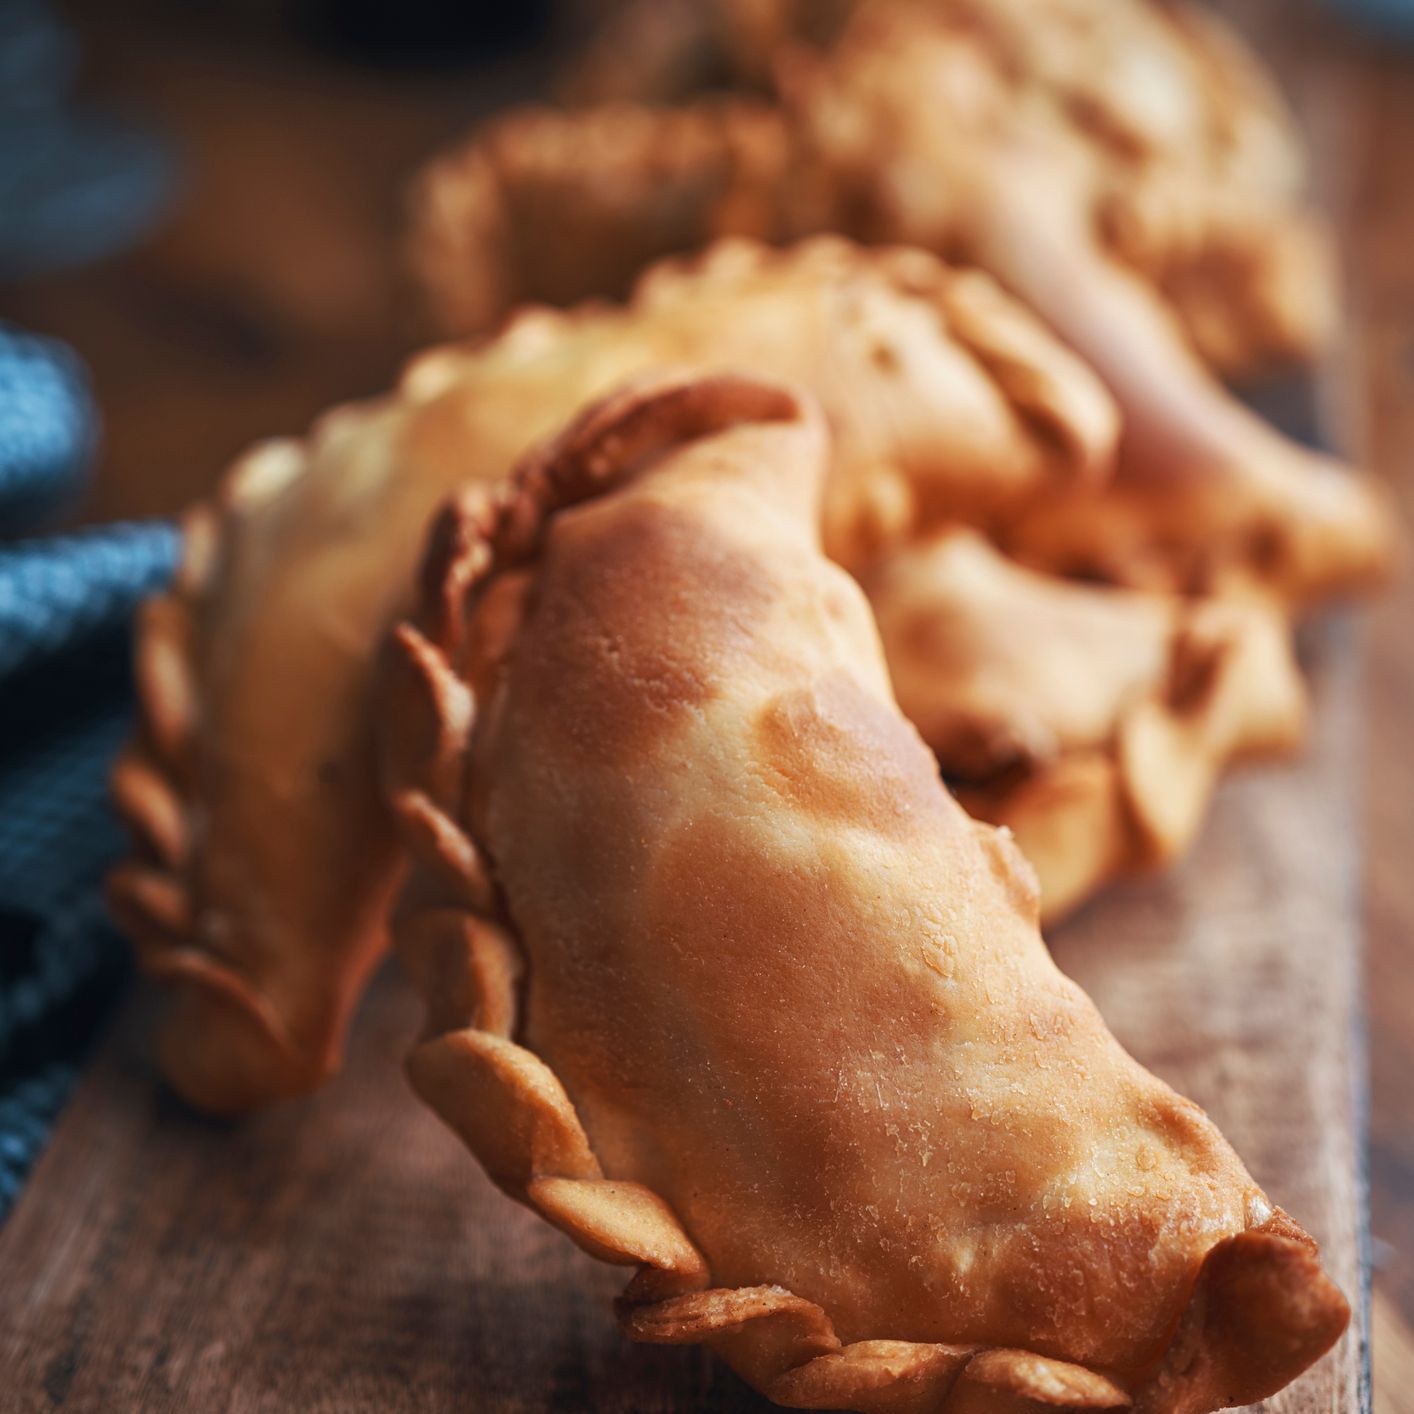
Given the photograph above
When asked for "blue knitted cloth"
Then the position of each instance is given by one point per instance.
(66, 604)
(47, 429)
(75, 183)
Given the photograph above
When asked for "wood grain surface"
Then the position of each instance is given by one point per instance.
(193, 1265)
(1380, 373)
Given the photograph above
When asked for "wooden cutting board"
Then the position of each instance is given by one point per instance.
(345, 1254)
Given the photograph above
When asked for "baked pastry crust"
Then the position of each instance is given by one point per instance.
(266, 862)
(1093, 722)
(722, 983)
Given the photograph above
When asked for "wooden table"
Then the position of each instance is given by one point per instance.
(269, 295)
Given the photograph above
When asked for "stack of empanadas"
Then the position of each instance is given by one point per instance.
(1130, 172)
(254, 671)
(721, 979)
(949, 403)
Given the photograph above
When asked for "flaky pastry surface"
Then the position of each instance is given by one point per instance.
(724, 984)
(266, 861)
(1093, 722)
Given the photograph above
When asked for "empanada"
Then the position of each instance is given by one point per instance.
(1162, 136)
(1177, 148)
(1122, 167)
(1207, 495)
(723, 983)
(267, 861)
(1092, 721)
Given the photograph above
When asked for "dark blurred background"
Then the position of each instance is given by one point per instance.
(239, 169)
(270, 285)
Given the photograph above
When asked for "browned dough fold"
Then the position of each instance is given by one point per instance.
(1093, 722)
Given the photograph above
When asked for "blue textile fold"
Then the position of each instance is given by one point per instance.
(66, 607)
(57, 594)
(66, 604)
(76, 183)
(47, 428)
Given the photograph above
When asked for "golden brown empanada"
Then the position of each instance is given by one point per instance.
(723, 983)
(1092, 721)
(1207, 495)
(1123, 167)
(1161, 135)
(1176, 148)
(267, 861)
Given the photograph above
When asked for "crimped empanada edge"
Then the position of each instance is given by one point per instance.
(153, 786)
